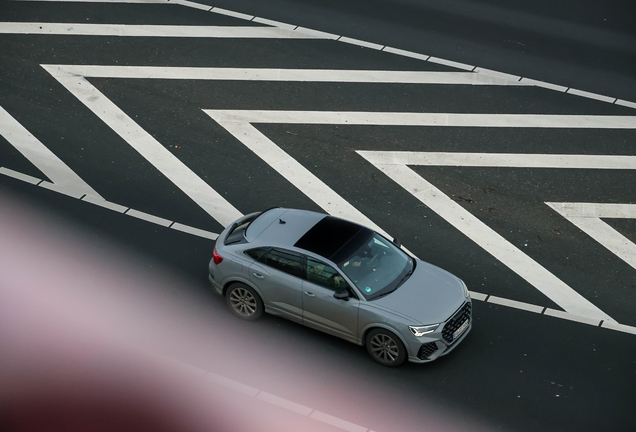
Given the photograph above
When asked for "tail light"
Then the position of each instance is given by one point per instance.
(216, 257)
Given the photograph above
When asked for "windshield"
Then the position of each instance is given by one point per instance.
(378, 267)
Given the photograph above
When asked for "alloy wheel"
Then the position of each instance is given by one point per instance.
(243, 302)
(384, 348)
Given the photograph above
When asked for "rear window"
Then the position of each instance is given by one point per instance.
(285, 261)
(256, 253)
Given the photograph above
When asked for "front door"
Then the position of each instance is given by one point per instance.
(320, 309)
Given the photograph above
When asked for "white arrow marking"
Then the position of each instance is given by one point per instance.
(63, 179)
(587, 217)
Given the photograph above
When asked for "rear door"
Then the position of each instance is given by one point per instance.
(320, 309)
(279, 275)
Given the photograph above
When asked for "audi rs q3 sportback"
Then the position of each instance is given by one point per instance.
(341, 278)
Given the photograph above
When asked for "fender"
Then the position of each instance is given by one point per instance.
(370, 327)
(233, 279)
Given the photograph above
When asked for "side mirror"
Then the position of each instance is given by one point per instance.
(341, 295)
(397, 242)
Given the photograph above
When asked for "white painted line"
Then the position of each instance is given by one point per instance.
(515, 304)
(72, 192)
(183, 367)
(504, 160)
(264, 396)
(586, 216)
(490, 240)
(284, 403)
(258, 74)
(19, 176)
(231, 384)
(591, 95)
(596, 210)
(478, 296)
(105, 1)
(544, 85)
(625, 103)
(238, 123)
(111, 206)
(361, 43)
(451, 63)
(106, 204)
(496, 74)
(233, 14)
(429, 119)
(293, 171)
(317, 34)
(484, 236)
(274, 23)
(619, 327)
(191, 4)
(405, 53)
(148, 217)
(44, 159)
(127, 30)
(194, 231)
(572, 317)
(324, 35)
(337, 422)
(161, 158)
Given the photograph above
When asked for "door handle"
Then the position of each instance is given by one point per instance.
(310, 294)
(258, 275)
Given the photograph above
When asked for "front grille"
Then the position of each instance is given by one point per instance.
(427, 350)
(455, 322)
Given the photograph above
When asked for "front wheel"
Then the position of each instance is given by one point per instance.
(244, 302)
(386, 348)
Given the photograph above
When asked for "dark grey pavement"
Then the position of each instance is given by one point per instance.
(517, 370)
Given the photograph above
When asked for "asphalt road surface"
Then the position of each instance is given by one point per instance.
(494, 141)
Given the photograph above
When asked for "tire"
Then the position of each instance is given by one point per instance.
(385, 348)
(244, 302)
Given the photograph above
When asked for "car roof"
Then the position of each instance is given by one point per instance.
(281, 227)
(323, 235)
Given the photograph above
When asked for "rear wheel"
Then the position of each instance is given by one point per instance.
(385, 348)
(244, 302)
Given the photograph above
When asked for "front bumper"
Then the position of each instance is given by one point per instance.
(427, 349)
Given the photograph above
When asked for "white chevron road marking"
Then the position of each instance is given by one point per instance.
(587, 217)
(63, 179)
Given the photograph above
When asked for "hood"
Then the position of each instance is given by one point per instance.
(429, 296)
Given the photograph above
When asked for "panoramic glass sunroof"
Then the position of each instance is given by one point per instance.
(328, 236)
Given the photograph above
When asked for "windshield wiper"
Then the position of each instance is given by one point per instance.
(406, 276)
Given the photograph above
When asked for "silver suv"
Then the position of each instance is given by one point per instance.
(341, 278)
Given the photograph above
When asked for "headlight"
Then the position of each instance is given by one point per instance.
(466, 293)
(421, 331)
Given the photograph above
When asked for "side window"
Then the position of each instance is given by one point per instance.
(256, 253)
(285, 261)
(324, 275)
